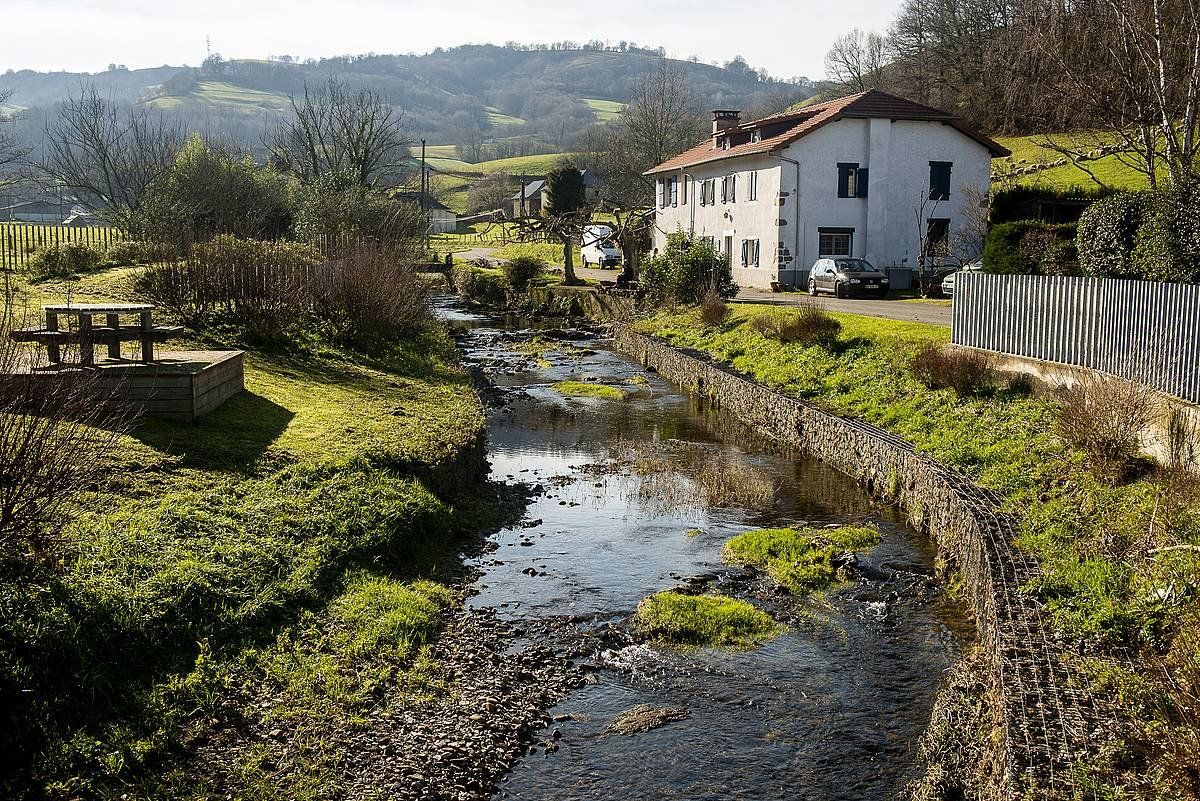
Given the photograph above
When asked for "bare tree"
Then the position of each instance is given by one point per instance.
(856, 60)
(108, 155)
(353, 134)
(1132, 68)
(12, 150)
(661, 120)
(469, 141)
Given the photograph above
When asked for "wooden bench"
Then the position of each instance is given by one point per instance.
(87, 334)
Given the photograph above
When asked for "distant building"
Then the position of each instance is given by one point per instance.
(442, 219)
(532, 206)
(42, 211)
(537, 195)
(844, 178)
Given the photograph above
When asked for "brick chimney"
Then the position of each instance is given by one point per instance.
(724, 119)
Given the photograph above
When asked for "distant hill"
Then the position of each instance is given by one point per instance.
(522, 100)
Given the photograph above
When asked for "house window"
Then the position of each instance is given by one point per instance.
(750, 253)
(756, 135)
(852, 180)
(729, 189)
(752, 188)
(834, 242)
(710, 242)
(937, 237)
(673, 191)
(939, 180)
(683, 191)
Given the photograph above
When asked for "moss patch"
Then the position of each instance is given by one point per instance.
(802, 560)
(675, 618)
(583, 389)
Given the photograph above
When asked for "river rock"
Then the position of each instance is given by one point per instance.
(645, 717)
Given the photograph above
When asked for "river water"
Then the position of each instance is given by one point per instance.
(831, 709)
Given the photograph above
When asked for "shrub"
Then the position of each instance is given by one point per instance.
(521, 270)
(1061, 258)
(369, 299)
(686, 270)
(967, 372)
(63, 260)
(479, 284)
(807, 325)
(1106, 417)
(1025, 247)
(1167, 244)
(132, 251)
(259, 287)
(713, 309)
(1106, 235)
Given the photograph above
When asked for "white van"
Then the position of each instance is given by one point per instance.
(597, 247)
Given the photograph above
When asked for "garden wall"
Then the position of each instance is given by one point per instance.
(1047, 719)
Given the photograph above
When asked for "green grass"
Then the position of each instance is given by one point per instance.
(606, 110)
(496, 117)
(581, 389)
(802, 560)
(1032, 150)
(549, 252)
(227, 95)
(278, 547)
(674, 618)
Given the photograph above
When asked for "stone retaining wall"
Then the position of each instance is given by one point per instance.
(1047, 716)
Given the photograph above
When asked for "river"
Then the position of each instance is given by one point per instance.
(626, 504)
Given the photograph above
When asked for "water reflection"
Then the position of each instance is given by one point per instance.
(830, 710)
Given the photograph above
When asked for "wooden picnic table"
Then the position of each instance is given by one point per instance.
(87, 334)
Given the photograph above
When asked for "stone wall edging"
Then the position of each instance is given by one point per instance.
(1045, 711)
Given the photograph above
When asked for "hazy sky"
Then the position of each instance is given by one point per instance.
(787, 37)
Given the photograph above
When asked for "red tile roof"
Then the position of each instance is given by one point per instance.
(780, 130)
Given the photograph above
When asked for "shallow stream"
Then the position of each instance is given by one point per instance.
(638, 495)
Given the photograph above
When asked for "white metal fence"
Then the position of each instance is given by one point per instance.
(1139, 330)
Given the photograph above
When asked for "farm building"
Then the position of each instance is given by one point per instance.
(536, 194)
(442, 219)
(870, 175)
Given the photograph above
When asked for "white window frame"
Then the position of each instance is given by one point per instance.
(824, 253)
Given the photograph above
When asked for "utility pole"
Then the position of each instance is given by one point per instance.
(424, 185)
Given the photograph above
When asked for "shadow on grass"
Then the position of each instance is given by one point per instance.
(232, 437)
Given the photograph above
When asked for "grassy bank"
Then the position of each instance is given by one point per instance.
(276, 561)
(1119, 552)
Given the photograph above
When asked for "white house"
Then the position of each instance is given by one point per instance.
(869, 175)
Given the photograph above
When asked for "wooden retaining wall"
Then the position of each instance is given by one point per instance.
(1047, 716)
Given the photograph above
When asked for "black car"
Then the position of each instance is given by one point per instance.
(846, 277)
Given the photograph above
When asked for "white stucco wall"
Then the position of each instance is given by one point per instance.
(885, 223)
(737, 221)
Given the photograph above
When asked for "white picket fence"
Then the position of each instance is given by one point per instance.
(1139, 330)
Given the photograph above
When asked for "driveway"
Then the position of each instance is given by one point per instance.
(930, 312)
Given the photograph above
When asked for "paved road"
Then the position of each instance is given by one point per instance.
(932, 312)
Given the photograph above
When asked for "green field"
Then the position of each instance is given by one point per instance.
(497, 117)
(605, 110)
(1032, 150)
(228, 95)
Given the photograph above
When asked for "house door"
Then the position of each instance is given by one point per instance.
(729, 249)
